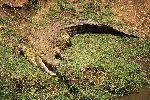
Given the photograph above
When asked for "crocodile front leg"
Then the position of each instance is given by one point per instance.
(44, 60)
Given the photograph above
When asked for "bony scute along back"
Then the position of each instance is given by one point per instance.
(50, 41)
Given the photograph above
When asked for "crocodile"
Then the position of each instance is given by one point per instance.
(45, 44)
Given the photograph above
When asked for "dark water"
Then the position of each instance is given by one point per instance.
(143, 94)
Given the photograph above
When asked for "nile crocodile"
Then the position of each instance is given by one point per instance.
(43, 44)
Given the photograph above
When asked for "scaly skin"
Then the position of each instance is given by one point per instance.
(42, 46)
(46, 42)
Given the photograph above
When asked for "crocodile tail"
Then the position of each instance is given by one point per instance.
(90, 26)
(82, 26)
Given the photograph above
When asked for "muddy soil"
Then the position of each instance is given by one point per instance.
(143, 94)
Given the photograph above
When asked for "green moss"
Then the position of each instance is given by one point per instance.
(111, 53)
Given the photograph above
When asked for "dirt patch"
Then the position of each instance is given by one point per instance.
(93, 76)
(143, 94)
(134, 13)
(90, 76)
(23, 9)
(14, 3)
(17, 13)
